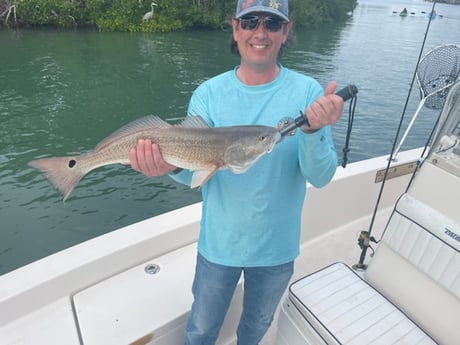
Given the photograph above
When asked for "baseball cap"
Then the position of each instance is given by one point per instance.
(276, 7)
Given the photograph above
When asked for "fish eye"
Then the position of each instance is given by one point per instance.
(72, 163)
(262, 137)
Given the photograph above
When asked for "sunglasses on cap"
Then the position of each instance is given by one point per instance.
(251, 23)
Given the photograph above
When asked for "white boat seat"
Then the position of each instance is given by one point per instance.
(345, 309)
(411, 294)
(417, 267)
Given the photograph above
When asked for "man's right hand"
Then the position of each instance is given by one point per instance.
(146, 158)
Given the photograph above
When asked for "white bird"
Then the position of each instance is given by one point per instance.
(149, 14)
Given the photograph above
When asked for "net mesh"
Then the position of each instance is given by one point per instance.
(437, 71)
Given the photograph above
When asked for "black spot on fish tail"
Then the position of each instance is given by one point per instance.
(72, 163)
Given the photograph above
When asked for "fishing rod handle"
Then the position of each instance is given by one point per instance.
(346, 93)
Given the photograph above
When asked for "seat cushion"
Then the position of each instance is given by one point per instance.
(345, 309)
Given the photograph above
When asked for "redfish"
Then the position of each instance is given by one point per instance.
(191, 145)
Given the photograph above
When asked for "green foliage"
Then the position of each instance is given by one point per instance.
(311, 13)
(304, 13)
(168, 15)
(50, 12)
(114, 15)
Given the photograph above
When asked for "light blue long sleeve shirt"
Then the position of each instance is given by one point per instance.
(253, 219)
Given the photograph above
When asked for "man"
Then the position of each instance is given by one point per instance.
(251, 222)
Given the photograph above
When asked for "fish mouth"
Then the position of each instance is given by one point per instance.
(270, 148)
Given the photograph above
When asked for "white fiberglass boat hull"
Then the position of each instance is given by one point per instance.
(47, 301)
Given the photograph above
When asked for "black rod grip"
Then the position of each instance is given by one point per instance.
(346, 93)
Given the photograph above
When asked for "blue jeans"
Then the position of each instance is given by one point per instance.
(213, 288)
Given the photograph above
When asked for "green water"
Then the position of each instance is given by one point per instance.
(61, 92)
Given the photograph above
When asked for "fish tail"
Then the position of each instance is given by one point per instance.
(64, 173)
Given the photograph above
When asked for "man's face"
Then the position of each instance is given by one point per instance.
(259, 47)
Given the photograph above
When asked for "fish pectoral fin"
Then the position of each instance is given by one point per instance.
(200, 177)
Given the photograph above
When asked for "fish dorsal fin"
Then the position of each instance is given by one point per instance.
(147, 122)
(137, 125)
(193, 122)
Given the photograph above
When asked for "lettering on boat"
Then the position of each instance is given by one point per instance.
(452, 234)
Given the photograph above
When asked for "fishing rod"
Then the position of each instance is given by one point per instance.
(365, 236)
(288, 126)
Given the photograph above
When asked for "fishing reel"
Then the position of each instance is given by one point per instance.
(364, 242)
